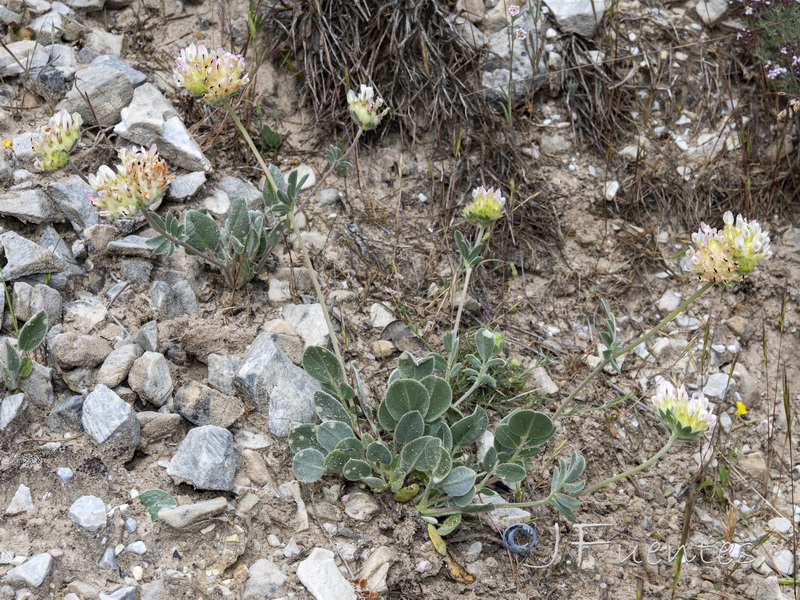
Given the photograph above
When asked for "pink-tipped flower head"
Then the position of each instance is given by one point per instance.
(485, 208)
(726, 256)
(684, 417)
(139, 181)
(365, 107)
(59, 137)
(212, 74)
(513, 10)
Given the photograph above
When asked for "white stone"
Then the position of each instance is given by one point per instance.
(669, 301)
(33, 571)
(21, 502)
(319, 574)
(577, 16)
(380, 316)
(780, 525)
(88, 512)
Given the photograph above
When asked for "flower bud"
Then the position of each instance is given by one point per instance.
(684, 417)
(214, 74)
(59, 137)
(486, 207)
(364, 107)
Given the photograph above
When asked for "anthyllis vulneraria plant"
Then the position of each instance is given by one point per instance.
(726, 256)
(365, 107)
(213, 74)
(59, 137)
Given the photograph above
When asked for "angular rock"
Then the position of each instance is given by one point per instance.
(717, 385)
(85, 315)
(542, 382)
(147, 336)
(165, 301)
(24, 257)
(117, 365)
(181, 517)
(265, 579)
(221, 371)
(256, 467)
(669, 301)
(109, 61)
(108, 419)
(319, 574)
(21, 300)
(38, 386)
(11, 408)
(150, 378)
(270, 380)
(30, 54)
(108, 90)
(205, 459)
(185, 295)
(308, 321)
(235, 188)
(70, 197)
(108, 560)
(359, 506)
(150, 119)
(65, 474)
(125, 593)
(75, 350)
(711, 11)
(30, 206)
(67, 415)
(184, 187)
(577, 16)
(21, 502)
(105, 42)
(155, 590)
(203, 405)
(376, 569)
(32, 572)
(380, 316)
(157, 426)
(89, 512)
(130, 245)
(51, 83)
(45, 298)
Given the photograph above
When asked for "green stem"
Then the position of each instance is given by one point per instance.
(182, 244)
(452, 358)
(474, 386)
(628, 348)
(252, 145)
(329, 171)
(632, 471)
(317, 289)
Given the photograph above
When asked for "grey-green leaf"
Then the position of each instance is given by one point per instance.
(202, 231)
(440, 397)
(379, 452)
(356, 469)
(155, 500)
(386, 420)
(331, 433)
(534, 427)
(329, 408)
(490, 460)
(237, 221)
(33, 332)
(405, 395)
(420, 454)
(322, 365)
(409, 427)
(441, 430)
(510, 472)
(484, 342)
(506, 439)
(343, 452)
(309, 465)
(442, 466)
(302, 437)
(469, 429)
(459, 481)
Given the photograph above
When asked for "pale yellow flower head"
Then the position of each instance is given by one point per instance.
(59, 137)
(213, 74)
(725, 256)
(365, 107)
(687, 418)
(486, 207)
(741, 409)
(138, 182)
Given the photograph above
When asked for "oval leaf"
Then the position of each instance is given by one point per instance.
(490, 460)
(440, 396)
(505, 439)
(302, 437)
(405, 395)
(237, 221)
(420, 454)
(329, 408)
(443, 465)
(33, 332)
(409, 428)
(322, 365)
(309, 465)
(155, 500)
(533, 427)
(379, 452)
(356, 469)
(344, 451)
(469, 429)
(386, 420)
(459, 481)
(441, 430)
(202, 232)
(331, 433)
(450, 524)
(510, 472)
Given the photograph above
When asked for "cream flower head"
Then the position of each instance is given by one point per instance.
(213, 74)
(725, 256)
(59, 137)
(687, 418)
(485, 208)
(138, 182)
(365, 107)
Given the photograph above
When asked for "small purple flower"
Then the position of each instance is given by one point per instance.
(521, 34)
(775, 71)
(513, 10)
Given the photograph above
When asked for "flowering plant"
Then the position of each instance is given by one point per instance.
(686, 418)
(213, 74)
(365, 107)
(59, 137)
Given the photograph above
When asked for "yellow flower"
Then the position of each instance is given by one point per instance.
(687, 418)
(726, 256)
(486, 207)
(59, 137)
(214, 74)
(8, 144)
(138, 182)
(741, 409)
(364, 107)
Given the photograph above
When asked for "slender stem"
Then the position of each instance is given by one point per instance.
(630, 347)
(474, 386)
(632, 471)
(317, 289)
(252, 145)
(181, 243)
(329, 171)
(452, 358)
(77, 171)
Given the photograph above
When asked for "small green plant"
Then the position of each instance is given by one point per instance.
(154, 500)
(16, 362)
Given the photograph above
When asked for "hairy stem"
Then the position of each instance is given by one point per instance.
(252, 145)
(628, 348)
(192, 250)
